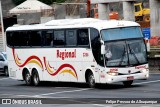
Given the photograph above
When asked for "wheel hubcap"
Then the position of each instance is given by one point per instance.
(28, 78)
(36, 79)
(6, 71)
(92, 80)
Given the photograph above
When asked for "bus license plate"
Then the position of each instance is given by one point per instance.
(130, 78)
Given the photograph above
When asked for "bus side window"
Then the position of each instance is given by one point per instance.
(71, 37)
(9, 36)
(16, 39)
(10, 39)
(83, 38)
(35, 38)
(59, 37)
(48, 38)
(24, 38)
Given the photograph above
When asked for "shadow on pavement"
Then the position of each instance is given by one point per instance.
(115, 86)
(81, 85)
(2, 75)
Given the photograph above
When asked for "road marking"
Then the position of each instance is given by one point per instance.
(30, 96)
(113, 105)
(146, 82)
(154, 73)
(62, 92)
(146, 106)
(53, 97)
(75, 101)
(62, 87)
(157, 105)
(101, 105)
(15, 95)
(4, 78)
(6, 94)
(23, 95)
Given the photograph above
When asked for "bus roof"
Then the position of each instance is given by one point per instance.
(76, 23)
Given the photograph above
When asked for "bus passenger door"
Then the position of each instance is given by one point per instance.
(98, 67)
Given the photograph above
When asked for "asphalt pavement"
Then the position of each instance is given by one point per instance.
(78, 95)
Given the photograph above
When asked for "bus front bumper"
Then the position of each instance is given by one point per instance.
(121, 78)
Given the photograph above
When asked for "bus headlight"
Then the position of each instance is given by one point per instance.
(144, 70)
(147, 75)
(113, 73)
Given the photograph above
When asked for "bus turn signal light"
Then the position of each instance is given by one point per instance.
(113, 73)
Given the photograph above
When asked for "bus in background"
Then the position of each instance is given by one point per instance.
(77, 50)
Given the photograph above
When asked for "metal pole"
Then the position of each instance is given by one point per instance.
(103, 11)
(128, 11)
(2, 26)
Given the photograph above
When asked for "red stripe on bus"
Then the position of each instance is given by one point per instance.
(28, 59)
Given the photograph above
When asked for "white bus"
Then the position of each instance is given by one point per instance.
(77, 50)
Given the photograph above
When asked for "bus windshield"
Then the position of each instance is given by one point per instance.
(125, 53)
(121, 33)
(124, 47)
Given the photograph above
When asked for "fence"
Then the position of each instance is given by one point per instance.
(154, 65)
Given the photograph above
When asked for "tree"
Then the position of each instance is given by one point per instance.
(17, 2)
(47, 1)
(60, 1)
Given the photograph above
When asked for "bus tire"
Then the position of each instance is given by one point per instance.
(6, 71)
(35, 78)
(91, 80)
(127, 83)
(27, 78)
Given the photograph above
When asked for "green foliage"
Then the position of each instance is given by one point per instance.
(47, 1)
(59, 1)
(17, 2)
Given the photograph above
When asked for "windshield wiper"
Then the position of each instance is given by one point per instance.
(132, 52)
(122, 57)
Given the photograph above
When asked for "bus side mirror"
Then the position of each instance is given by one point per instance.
(147, 44)
(103, 49)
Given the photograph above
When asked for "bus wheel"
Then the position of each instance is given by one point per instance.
(35, 78)
(91, 80)
(27, 78)
(127, 83)
(6, 71)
